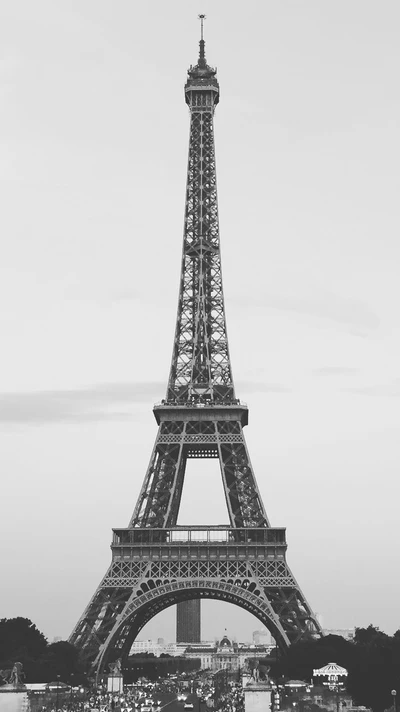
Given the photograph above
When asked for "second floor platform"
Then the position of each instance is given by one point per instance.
(219, 541)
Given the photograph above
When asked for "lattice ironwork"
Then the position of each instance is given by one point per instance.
(203, 431)
(127, 573)
(155, 563)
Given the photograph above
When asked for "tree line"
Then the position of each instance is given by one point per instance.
(372, 660)
(22, 641)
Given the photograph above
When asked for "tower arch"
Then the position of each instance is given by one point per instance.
(141, 609)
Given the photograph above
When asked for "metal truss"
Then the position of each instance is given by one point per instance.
(200, 368)
(211, 437)
(152, 569)
(156, 563)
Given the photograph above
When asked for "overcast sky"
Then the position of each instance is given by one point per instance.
(93, 150)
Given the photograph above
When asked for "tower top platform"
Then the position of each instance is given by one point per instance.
(209, 410)
(201, 76)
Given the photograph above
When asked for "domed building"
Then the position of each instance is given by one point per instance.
(226, 655)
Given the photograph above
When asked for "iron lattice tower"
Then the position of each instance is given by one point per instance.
(156, 563)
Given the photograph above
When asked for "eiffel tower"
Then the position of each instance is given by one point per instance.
(156, 563)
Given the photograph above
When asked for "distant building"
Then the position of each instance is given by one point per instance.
(263, 637)
(226, 654)
(188, 621)
(157, 648)
(144, 646)
(202, 651)
(346, 633)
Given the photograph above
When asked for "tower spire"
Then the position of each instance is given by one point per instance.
(202, 57)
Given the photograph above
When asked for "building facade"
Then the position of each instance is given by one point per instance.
(188, 621)
(226, 654)
(157, 648)
(346, 633)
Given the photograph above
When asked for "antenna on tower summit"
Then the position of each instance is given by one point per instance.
(202, 57)
(202, 18)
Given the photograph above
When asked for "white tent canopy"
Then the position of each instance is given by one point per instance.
(330, 669)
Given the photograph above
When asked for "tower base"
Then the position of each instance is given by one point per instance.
(14, 699)
(115, 684)
(257, 696)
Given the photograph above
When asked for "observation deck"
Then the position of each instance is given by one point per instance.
(201, 78)
(199, 542)
(225, 410)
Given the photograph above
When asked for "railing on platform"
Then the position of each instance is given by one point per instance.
(200, 535)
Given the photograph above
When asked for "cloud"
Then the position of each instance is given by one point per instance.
(334, 371)
(91, 404)
(95, 403)
(391, 390)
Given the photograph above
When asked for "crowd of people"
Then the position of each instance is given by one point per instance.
(231, 701)
(88, 701)
(131, 699)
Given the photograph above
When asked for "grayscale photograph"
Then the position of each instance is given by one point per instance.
(191, 521)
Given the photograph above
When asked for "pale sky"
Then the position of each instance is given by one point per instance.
(93, 150)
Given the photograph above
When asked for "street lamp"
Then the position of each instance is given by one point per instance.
(70, 689)
(58, 680)
(394, 693)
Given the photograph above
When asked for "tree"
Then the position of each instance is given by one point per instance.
(59, 659)
(377, 668)
(370, 636)
(302, 658)
(19, 641)
(372, 661)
